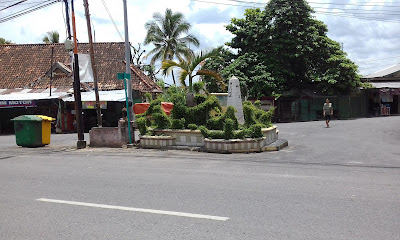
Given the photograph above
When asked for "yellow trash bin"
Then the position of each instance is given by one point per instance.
(46, 128)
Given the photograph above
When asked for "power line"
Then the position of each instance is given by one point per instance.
(379, 59)
(350, 15)
(12, 5)
(27, 10)
(112, 20)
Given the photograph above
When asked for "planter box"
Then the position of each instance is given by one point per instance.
(191, 138)
(270, 134)
(157, 141)
(234, 145)
(194, 138)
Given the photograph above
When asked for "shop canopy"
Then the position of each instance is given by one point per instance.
(106, 96)
(20, 94)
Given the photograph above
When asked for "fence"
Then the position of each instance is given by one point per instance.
(310, 108)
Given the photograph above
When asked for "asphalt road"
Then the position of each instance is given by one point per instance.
(336, 183)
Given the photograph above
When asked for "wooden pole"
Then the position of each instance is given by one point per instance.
(92, 59)
(77, 88)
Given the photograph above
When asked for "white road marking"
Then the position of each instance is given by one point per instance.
(144, 210)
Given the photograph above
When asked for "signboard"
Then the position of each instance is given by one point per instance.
(16, 103)
(92, 105)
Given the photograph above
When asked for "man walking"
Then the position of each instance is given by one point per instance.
(327, 111)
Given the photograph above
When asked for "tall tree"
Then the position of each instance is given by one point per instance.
(3, 41)
(169, 35)
(190, 67)
(51, 37)
(292, 50)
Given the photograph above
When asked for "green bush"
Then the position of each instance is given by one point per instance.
(217, 123)
(228, 129)
(255, 131)
(198, 86)
(200, 98)
(141, 124)
(216, 135)
(211, 134)
(266, 117)
(161, 120)
(214, 123)
(178, 123)
(249, 118)
(192, 126)
(257, 104)
(240, 134)
(180, 109)
(204, 131)
(155, 107)
(200, 113)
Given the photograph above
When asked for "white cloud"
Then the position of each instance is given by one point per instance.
(364, 40)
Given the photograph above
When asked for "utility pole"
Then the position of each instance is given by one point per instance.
(128, 64)
(77, 88)
(91, 51)
(51, 67)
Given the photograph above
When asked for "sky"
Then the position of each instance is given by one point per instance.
(369, 30)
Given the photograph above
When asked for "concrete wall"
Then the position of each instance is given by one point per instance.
(105, 137)
(191, 138)
(110, 136)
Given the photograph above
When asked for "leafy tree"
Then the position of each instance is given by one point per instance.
(285, 47)
(51, 37)
(224, 59)
(166, 33)
(3, 41)
(189, 67)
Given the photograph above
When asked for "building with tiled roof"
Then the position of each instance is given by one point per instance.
(29, 65)
(25, 72)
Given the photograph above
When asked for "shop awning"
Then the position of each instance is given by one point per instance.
(105, 96)
(385, 84)
(31, 94)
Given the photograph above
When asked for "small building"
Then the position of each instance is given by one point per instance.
(384, 98)
(26, 88)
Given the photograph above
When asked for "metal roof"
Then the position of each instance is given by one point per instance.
(31, 94)
(385, 84)
(384, 72)
(109, 96)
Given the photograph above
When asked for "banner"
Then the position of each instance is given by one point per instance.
(92, 105)
(16, 103)
(85, 68)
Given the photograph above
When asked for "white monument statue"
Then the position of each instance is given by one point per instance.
(235, 98)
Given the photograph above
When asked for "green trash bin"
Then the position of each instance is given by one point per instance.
(28, 131)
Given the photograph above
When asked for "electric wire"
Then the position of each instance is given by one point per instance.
(28, 10)
(112, 20)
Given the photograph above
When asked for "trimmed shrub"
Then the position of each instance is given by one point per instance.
(257, 104)
(141, 124)
(192, 126)
(249, 118)
(217, 123)
(200, 113)
(178, 123)
(200, 98)
(228, 129)
(198, 86)
(255, 131)
(204, 131)
(266, 117)
(161, 120)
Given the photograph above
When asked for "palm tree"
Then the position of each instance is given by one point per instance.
(165, 32)
(51, 37)
(190, 67)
